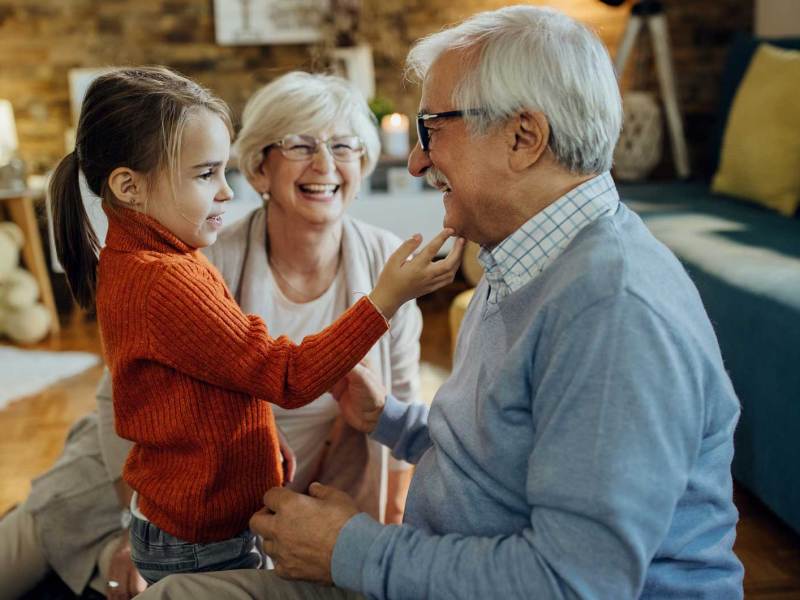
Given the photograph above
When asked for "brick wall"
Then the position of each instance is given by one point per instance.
(40, 40)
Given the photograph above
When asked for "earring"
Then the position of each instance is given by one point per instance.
(265, 196)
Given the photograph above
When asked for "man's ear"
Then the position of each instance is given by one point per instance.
(528, 133)
(127, 186)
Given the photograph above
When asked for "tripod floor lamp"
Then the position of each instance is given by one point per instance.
(651, 13)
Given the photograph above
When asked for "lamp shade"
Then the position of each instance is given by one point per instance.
(8, 132)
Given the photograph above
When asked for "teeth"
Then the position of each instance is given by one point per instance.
(319, 187)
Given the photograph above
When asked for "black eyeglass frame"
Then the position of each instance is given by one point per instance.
(422, 131)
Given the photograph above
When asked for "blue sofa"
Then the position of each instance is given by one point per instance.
(745, 261)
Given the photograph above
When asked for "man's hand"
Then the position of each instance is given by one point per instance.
(300, 531)
(361, 397)
(123, 572)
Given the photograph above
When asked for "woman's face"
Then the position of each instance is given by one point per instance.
(317, 189)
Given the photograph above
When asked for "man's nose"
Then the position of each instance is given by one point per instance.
(418, 161)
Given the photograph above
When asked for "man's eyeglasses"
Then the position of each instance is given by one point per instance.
(422, 131)
(343, 148)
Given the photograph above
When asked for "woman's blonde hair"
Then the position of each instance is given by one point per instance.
(303, 103)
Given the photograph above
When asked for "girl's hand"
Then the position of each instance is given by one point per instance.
(406, 276)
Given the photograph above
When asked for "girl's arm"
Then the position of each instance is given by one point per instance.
(198, 329)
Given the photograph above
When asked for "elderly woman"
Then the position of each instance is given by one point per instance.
(307, 141)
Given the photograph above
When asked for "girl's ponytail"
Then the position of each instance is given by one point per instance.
(75, 239)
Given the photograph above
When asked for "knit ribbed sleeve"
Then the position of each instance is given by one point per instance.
(196, 327)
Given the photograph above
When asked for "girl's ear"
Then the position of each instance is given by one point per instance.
(128, 187)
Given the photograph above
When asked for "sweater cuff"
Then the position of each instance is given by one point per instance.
(351, 551)
(379, 311)
(390, 421)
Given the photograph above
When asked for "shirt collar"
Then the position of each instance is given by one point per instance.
(525, 253)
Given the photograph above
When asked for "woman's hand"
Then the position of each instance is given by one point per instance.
(124, 581)
(288, 456)
(361, 397)
(397, 490)
(406, 276)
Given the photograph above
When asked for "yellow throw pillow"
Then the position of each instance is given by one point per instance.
(760, 158)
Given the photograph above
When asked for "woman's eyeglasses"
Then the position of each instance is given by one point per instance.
(343, 148)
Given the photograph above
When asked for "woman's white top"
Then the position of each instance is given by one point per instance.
(306, 428)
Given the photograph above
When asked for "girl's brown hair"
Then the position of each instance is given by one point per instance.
(131, 117)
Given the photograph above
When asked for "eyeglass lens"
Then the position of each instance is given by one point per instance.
(301, 147)
(422, 134)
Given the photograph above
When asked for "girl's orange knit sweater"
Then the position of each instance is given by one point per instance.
(193, 377)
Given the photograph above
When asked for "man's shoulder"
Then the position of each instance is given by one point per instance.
(617, 260)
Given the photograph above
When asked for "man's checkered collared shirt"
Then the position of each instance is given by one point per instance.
(519, 258)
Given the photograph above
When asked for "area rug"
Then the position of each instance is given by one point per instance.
(26, 372)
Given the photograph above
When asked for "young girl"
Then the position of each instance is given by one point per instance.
(193, 376)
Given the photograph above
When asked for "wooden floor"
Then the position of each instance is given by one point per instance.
(33, 431)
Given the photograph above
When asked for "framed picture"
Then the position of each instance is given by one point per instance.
(355, 64)
(256, 22)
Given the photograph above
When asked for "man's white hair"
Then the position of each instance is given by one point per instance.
(304, 103)
(525, 57)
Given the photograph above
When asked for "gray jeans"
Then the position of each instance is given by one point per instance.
(242, 585)
(157, 554)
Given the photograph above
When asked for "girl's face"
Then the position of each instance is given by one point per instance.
(317, 190)
(194, 212)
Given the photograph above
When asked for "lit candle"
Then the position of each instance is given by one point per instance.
(394, 135)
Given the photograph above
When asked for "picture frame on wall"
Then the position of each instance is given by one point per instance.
(258, 22)
(356, 65)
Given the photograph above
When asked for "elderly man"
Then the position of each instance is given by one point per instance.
(582, 446)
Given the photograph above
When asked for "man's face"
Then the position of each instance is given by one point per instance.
(468, 170)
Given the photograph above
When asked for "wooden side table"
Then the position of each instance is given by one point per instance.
(21, 210)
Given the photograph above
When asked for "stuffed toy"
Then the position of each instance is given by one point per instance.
(22, 318)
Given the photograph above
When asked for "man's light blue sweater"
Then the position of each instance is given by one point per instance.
(580, 449)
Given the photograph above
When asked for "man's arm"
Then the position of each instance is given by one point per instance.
(401, 426)
(619, 418)
(404, 354)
